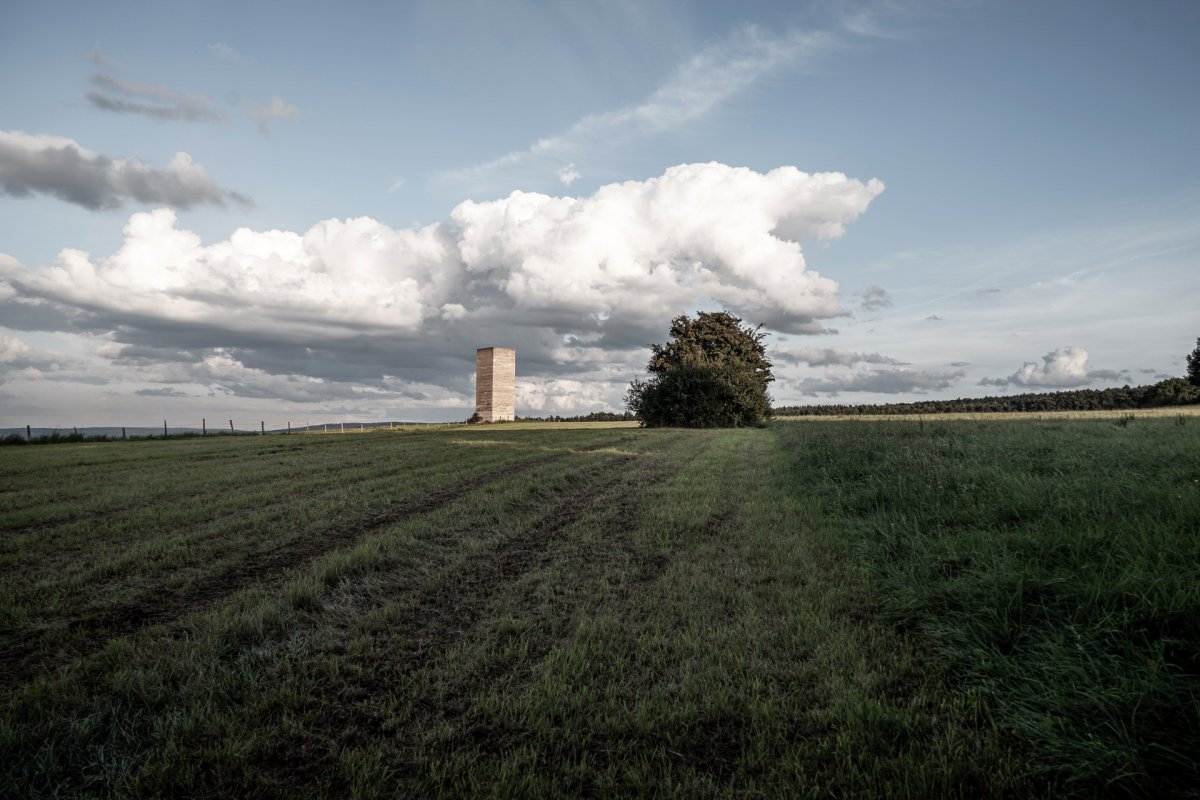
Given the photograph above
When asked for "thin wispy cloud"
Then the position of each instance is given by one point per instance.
(1076, 255)
(875, 298)
(694, 89)
(880, 20)
(568, 175)
(151, 100)
(225, 52)
(277, 108)
(98, 58)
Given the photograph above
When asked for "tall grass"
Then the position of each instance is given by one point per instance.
(1053, 566)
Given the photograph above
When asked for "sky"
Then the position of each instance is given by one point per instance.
(316, 213)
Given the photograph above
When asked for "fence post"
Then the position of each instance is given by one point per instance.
(231, 430)
(343, 427)
(203, 427)
(289, 426)
(28, 434)
(262, 428)
(123, 432)
(164, 429)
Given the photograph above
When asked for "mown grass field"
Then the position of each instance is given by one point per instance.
(833, 608)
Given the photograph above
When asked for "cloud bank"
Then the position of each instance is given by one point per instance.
(62, 168)
(829, 356)
(20, 359)
(578, 285)
(887, 381)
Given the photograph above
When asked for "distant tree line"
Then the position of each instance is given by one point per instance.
(595, 416)
(1171, 392)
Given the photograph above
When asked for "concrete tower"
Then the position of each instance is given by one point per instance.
(495, 383)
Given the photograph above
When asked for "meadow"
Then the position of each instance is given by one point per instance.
(859, 608)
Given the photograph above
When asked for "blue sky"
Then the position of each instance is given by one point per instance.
(371, 192)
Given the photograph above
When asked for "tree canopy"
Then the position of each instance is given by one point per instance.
(1193, 365)
(712, 372)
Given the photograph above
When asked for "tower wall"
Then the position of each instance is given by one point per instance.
(495, 383)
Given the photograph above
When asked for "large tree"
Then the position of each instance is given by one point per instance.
(1193, 362)
(712, 372)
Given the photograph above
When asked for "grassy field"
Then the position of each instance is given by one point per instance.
(910, 609)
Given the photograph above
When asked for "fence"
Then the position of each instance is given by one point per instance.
(143, 432)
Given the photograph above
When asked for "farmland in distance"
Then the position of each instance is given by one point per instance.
(849, 608)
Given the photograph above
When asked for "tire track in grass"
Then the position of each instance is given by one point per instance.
(231, 533)
(23, 662)
(312, 474)
(452, 602)
(291, 556)
(309, 469)
(445, 606)
(298, 758)
(118, 470)
(424, 626)
(210, 522)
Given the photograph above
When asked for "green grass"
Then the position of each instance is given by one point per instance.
(854, 609)
(1053, 566)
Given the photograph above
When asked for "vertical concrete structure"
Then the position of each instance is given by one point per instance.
(496, 383)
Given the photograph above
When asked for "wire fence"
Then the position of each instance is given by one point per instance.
(205, 428)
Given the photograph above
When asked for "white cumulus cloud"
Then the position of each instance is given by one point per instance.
(578, 285)
(700, 231)
(1062, 368)
(338, 278)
